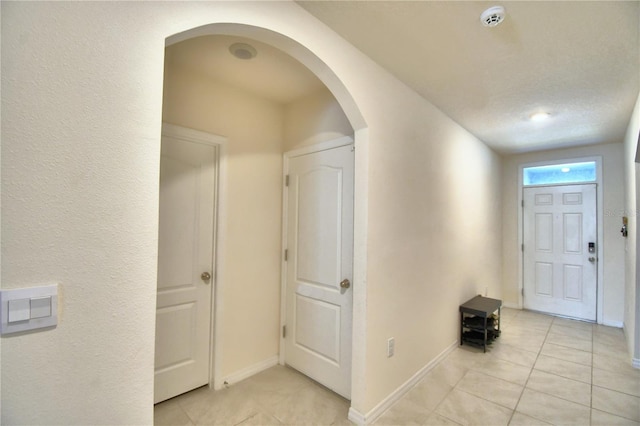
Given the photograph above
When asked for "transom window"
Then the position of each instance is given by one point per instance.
(560, 173)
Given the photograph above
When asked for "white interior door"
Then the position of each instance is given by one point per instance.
(560, 272)
(185, 257)
(319, 268)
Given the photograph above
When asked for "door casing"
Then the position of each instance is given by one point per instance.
(599, 212)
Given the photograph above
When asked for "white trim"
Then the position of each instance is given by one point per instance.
(600, 220)
(397, 394)
(635, 362)
(220, 143)
(249, 371)
(510, 305)
(322, 146)
(617, 324)
(311, 149)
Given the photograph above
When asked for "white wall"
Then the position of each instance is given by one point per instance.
(249, 296)
(82, 92)
(613, 198)
(632, 186)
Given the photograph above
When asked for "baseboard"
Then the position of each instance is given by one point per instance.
(249, 371)
(395, 396)
(617, 324)
(635, 362)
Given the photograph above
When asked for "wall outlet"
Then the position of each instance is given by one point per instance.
(391, 347)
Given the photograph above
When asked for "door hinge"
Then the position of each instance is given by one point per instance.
(284, 331)
(286, 180)
(286, 254)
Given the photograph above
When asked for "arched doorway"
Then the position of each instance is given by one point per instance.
(347, 104)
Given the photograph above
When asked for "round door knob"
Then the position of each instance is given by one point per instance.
(205, 276)
(345, 283)
(592, 259)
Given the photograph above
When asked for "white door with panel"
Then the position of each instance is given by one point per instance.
(319, 267)
(185, 266)
(560, 250)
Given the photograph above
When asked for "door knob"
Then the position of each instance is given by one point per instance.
(592, 259)
(205, 276)
(345, 283)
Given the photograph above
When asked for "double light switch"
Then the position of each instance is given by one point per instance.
(28, 308)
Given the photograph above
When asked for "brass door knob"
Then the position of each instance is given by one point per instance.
(205, 276)
(345, 283)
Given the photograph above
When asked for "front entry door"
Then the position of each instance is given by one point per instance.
(185, 248)
(319, 268)
(560, 250)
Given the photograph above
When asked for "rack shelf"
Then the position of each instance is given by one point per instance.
(478, 323)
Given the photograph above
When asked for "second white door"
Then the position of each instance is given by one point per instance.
(319, 269)
(560, 250)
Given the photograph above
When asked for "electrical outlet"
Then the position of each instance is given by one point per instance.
(391, 347)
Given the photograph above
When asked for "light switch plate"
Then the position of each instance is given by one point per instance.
(30, 308)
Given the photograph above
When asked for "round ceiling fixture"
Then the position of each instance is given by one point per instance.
(243, 51)
(539, 116)
(492, 16)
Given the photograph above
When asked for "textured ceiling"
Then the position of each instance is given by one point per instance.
(580, 61)
(577, 60)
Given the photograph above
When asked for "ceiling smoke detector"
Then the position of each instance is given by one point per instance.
(243, 51)
(492, 16)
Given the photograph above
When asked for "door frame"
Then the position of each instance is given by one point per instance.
(322, 146)
(219, 143)
(599, 221)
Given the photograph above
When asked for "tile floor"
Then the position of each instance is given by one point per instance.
(542, 370)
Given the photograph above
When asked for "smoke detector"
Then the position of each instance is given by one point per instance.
(243, 51)
(492, 16)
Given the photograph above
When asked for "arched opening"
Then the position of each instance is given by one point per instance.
(225, 288)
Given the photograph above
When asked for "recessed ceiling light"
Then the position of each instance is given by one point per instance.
(492, 16)
(243, 51)
(539, 116)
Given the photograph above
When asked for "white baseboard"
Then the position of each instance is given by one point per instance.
(617, 324)
(511, 305)
(249, 371)
(635, 362)
(360, 419)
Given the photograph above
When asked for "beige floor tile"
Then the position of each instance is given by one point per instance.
(436, 419)
(616, 403)
(567, 354)
(505, 370)
(524, 325)
(170, 413)
(563, 368)
(565, 331)
(449, 372)
(522, 342)
(513, 354)
(490, 388)
(310, 405)
(613, 351)
(561, 387)
(260, 419)
(600, 418)
(573, 323)
(467, 356)
(552, 409)
(228, 407)
(617, 365)
(404, 412)
(610, 338)
(622, 382)
(429, 392)
(603, 329)
(570, 342)
(520, 419)
(467, 409)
